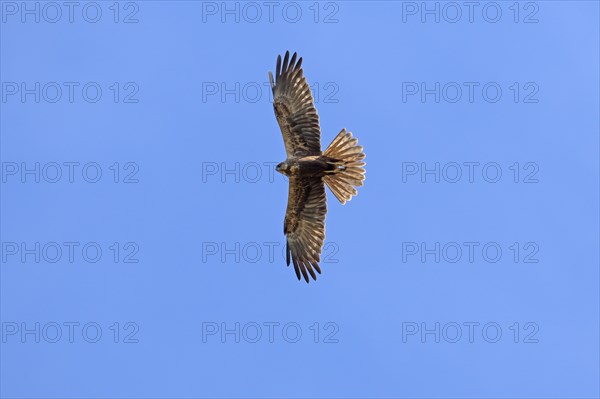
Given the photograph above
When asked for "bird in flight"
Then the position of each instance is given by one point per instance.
(309, 169)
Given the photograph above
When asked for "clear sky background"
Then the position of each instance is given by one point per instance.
(142, 221)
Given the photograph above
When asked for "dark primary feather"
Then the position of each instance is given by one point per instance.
(304, 225)
(295, 108)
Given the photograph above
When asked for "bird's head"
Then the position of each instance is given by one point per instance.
(282, 168)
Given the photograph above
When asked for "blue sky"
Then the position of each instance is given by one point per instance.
(142, 245)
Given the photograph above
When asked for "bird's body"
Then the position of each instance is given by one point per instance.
(340, 166)
(307, 166)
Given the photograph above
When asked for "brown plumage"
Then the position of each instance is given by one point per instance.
(308, 168)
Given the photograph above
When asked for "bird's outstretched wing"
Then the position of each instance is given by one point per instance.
(295, 108)
(304, 224)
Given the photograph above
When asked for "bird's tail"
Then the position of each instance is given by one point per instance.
(347, 156)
